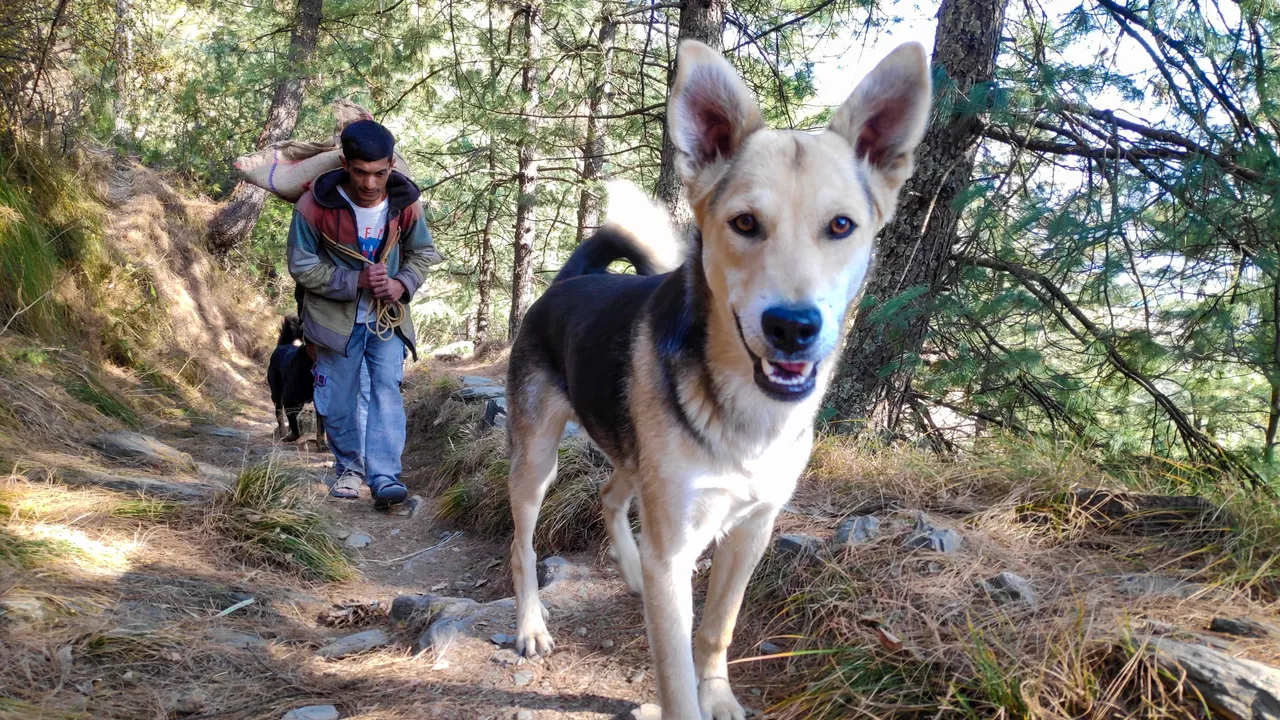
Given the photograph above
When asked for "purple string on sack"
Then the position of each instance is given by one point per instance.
(271, 176)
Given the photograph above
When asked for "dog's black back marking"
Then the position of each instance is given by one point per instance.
(582, 330)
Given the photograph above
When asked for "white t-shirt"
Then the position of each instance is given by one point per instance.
(371, 223)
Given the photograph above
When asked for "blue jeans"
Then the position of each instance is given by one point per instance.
(378, 446)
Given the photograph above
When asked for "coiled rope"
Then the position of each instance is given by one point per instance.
(385, 316)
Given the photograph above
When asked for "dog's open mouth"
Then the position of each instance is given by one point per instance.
(781, 379)
(786, 380)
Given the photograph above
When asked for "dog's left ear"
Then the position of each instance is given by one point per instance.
(710, 112)
(885, 117)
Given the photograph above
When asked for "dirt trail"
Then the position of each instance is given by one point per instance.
(174, 600)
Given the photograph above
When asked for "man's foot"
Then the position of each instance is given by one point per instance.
(387, 492)
(347, 487)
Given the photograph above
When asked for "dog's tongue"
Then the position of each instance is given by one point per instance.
(795, 368)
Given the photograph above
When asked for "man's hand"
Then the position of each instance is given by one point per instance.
(371, 277)
(391, 290)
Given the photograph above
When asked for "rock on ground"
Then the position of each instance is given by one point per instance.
(141, 449)
(354, 644)
(312, 712)
(1009, 588)
(147, 486)
(1235, 688)
(797, 545)
(1243, 627)
(857, 530)
(357, 540)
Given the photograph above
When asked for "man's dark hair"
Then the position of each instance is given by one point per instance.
(367, 140)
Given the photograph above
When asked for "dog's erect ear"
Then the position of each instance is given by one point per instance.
(885, 117)
(710, 111)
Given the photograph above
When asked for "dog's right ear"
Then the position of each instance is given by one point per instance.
(710, 112)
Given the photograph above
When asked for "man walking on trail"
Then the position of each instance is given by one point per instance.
(359, 246)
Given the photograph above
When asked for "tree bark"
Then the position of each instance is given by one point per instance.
(121, 60)
(234, 222)
(701, 20)
(526, 176)
(484, 272)
(875, 380)
(593, 148)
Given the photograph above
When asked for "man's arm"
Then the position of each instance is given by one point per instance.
(312, 271)
(417, 253)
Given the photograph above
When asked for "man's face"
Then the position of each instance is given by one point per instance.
(368, 183)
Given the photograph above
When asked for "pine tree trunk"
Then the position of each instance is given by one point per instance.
(873, 384)
(527, 177)
(122, 59)
(234, 222)
(484, 271)
(593, 148)
(701, 20)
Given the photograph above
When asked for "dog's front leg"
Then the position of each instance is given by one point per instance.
(734, 561)
(668, 614)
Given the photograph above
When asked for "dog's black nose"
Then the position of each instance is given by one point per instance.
(791, 329)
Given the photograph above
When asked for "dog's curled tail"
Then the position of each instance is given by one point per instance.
(290, 330)
(636, 229)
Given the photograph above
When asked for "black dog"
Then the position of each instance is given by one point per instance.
(291, 381)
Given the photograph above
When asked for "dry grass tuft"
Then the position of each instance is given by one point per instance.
(882, 630)
(270, 523)
(473, 476)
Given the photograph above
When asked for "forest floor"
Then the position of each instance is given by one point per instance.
(162, 556)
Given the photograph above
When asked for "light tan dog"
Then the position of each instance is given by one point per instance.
(702, 384)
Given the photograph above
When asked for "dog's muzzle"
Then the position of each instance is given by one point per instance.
(791, 332)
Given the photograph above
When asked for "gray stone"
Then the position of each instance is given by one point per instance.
(1243, 627)
(945, 540)
(141, 449)
(495, 413)
(234, 638)
(1235, 688)
(580, 631)
(524, 715)
(606, 644)
(1142, 584)
(501, 639)
(404, 607)
(636, 677)
(473, 393)
(313, 712)
(522, 678)
(414, 505)
(552, 570)
(857, 530)
(133, 484)
(769, 648)
(188, 703)
(506, 657)
(354, 644)
(220, 475)
(23, 610)
(1009, 588)
(229, 432)
(357, 540)
(797, 545)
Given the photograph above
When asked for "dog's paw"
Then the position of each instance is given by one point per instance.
(291, 437)
(534, 641)
(630, 572)
(716, 701)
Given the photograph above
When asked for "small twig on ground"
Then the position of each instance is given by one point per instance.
(415, 553)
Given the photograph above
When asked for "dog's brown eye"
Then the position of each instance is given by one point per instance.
(840, 227)
(746, 224)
